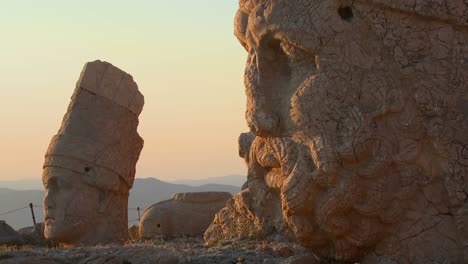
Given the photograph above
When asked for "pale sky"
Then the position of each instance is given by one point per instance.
(182, 54)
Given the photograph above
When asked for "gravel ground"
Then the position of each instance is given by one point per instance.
(180, 250)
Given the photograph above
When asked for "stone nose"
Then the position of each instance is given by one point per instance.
(260, 77)
(48, 201)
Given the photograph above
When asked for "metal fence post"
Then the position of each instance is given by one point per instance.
(32, 213)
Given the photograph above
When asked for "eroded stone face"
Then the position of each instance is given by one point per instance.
(89, 166)
(67, 200)
(361, 129)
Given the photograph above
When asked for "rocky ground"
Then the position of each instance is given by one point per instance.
(160, 251)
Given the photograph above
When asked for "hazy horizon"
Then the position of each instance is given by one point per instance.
(38, 178)
(183, 56)
(35, 183)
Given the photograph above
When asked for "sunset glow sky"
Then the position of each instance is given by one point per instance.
(182, 54)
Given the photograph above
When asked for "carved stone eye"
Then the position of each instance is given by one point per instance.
(296, 54)
(346, 13)
(273, 50)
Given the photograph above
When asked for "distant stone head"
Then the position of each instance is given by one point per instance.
(361, 130)
(185, 214)
(89, 166)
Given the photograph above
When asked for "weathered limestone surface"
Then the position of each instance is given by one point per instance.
(133, 232)
(184, 214)
(89, 166)
(8, 236)
(33, 235)
(360, 116)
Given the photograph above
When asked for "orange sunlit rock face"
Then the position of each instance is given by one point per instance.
(359, 112)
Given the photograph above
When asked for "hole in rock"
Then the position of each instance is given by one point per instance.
(346, 13)
(86, 169)
(159, 225)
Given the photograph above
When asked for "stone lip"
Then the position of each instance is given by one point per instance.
(104, 79)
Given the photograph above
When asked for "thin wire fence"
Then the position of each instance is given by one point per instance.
(32, 205)
(14, 210)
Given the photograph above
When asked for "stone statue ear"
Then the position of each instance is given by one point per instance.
(105, 198)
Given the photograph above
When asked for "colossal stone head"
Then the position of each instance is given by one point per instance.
(360, 112)
(89, 166)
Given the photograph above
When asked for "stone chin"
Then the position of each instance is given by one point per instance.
(57, 232)
(64, 231)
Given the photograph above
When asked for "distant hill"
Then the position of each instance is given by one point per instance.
(144, 193)
(23, 184)
(36, 183)
(235, 180)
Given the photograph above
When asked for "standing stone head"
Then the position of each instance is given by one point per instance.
(89, 166)
(360, 114)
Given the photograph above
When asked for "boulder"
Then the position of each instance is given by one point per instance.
(184, 214)
(33, 235)
(8, 236)
(133, 232)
